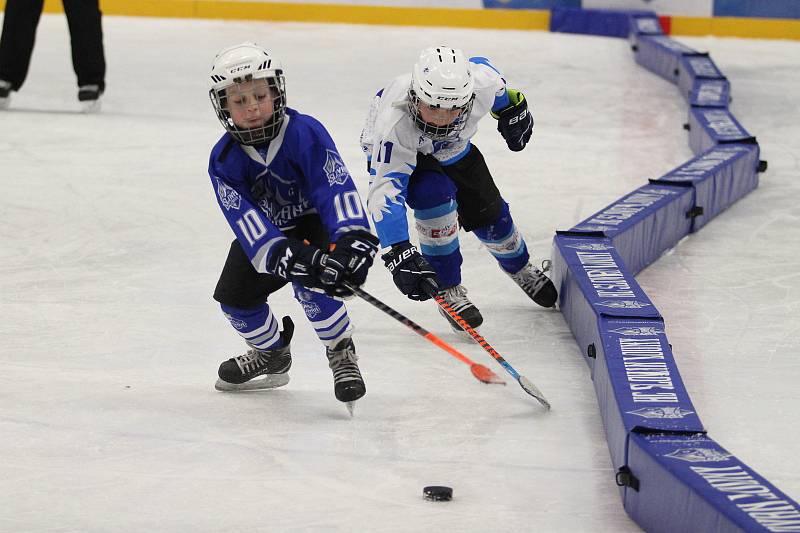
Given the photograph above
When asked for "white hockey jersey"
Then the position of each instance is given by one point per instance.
(391, 141)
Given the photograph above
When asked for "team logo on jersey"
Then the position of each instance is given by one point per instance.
(623, 304)
(335, 169)
(699, 455)
(228, 196)
(661, 412)
(637, 331)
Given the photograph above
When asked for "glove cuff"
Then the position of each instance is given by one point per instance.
(515, 98)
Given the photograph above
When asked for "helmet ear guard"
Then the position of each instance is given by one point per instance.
(244, 63)
(441, 79)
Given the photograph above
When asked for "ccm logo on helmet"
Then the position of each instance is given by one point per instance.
(239, 68)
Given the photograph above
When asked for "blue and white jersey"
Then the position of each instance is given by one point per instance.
(263, 192)
(391, 141)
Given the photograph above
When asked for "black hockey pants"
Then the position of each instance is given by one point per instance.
(479, 200)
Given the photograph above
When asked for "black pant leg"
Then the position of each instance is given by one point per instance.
(16, 44)
(479, 200)
(86, 34)
(240, 285)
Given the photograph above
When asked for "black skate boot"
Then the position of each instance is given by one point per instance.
(456, 298)
(239, 373)
(89, 97)
(536, 285)
(348, 385)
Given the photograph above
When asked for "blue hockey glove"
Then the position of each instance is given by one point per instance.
(515, 122)
(349, 261)
(412, 274)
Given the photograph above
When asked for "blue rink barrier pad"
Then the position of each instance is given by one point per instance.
(672, 476)
(660, 54)
(691, 483)
(645, 23)
(710, 93)
(638, 385)
(592, 281)
(694, 67)
(709, 127)
(645, 223)
(719, 177)
(605, 22)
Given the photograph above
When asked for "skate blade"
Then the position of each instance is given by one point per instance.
(90, 106)
(270, 381)
(350, 407)
(463, 334)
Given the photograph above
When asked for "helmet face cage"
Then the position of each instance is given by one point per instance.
(434, 131)
(270, 128)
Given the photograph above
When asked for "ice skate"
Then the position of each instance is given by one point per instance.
(258, 369)
(456, 298)
(89, 97)
(536, 285)
(348, 385)
(5, 94)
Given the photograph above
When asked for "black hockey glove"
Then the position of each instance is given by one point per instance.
(298, 262)
(412, 274)
(349, 261)
(515, 122)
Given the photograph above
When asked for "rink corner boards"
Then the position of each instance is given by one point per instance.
(672, 475)
(496, 16)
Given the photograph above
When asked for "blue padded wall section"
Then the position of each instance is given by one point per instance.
(719, 177)
(710, 490)
(711, 126)
(660, 54)
(644, 23)
(672, 476)
(644, 224)
(638, 384)
(710, 92)
(694, 68)
(592, 21)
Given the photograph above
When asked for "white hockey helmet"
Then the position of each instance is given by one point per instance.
(442, 79)
(240, 64)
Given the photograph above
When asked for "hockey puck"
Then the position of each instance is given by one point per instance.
(437, 493)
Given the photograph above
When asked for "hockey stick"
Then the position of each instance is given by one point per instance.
(481, 372)
(524, 382)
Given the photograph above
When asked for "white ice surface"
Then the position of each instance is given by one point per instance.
(112, 243)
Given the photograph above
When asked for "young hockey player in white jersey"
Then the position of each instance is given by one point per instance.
(417, 142)
(287, 195)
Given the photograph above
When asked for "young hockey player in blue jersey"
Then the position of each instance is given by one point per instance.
(288, 197)
(417, 142)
